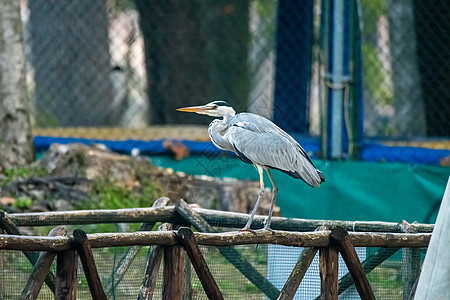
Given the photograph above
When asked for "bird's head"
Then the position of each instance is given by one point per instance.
(214, 109)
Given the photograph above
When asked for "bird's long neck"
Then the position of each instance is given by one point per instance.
(217, 132)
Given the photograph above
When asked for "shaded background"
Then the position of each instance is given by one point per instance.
(128, 63)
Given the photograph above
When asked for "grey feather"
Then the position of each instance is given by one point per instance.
(257, 140)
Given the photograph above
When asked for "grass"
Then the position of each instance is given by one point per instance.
(386, 282)
(107, 195)
(15, 174)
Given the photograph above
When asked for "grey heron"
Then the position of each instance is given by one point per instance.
(258, 141)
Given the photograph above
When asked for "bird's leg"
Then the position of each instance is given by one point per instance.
(261, 192)
(272, 203)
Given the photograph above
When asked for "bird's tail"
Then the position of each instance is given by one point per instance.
(322, 177)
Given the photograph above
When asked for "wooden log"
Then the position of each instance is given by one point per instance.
(294, 280)
(41, 269)
(87, 259)
(328, 267)
(286, 238)
(151, 271)
(296, 239)
(368, 265)
(231, 254)
(173, 273)
(238, 220)
(389, 240)
(341, 238)
(225, 219)
(96, 216)
(410, 263)
(187, 239)
(99, 240)
(66, 275)
(7, 224)
(129, 255)
(312, 239)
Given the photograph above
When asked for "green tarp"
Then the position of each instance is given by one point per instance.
(355, 191)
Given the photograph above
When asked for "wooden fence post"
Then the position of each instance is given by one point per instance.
(66, 275)
(173, 273)
(368, 265)
(41, 269)
(187, 239)
(328, 267)
(340, 236)
(151, 271)
(87, 259)
(129, 255)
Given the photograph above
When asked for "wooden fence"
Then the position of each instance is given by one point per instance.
(175, 237)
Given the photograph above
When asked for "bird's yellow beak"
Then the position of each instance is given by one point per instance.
(195, 109)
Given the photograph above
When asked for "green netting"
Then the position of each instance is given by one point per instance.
(353, 190)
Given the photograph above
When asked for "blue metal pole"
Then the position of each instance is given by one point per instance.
(337, 77)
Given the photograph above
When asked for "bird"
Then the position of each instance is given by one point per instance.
(258, 141)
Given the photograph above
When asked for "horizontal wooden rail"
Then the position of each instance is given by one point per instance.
(297, 239)
(95, 216)
(225, 219)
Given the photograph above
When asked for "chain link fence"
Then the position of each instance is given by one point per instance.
(404, 62)
(125, 63)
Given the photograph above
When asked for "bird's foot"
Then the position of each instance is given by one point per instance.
(267, 224)
(245, 229)
(268, 229)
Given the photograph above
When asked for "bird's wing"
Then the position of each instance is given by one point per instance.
(257, 140)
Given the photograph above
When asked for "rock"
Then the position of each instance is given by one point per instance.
(93, 163)
(132, 172)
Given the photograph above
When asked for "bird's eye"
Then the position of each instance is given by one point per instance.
(213, 106)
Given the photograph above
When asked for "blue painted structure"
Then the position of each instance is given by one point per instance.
(372, 151)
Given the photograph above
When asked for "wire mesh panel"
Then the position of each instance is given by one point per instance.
(389, 279)
(281, 261)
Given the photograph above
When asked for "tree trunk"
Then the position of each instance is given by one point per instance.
(195, 51)
(227, 31)
(70, 55)
(433, 41)
(409, 107)
(16, 142)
